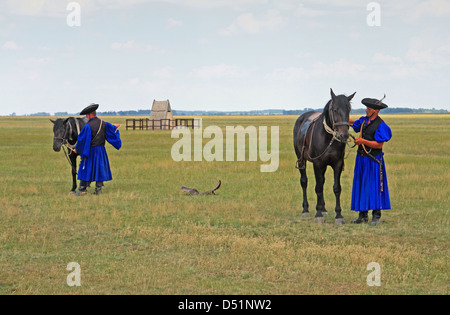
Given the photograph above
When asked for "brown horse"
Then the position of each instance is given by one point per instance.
(321, 138)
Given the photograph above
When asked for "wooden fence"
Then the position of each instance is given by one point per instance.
(162, 124)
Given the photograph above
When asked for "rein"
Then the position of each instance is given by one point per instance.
(380, 163)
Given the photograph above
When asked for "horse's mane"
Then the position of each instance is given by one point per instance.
(326, 111)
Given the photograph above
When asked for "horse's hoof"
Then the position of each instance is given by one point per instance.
(319, 220)
(81, 193)
(305, 214)
(324, 213)
(340, 221)
(72, 192)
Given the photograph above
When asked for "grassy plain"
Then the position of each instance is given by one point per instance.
(143, 237)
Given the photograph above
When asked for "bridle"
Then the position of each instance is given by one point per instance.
(333, 131)
(67, 138)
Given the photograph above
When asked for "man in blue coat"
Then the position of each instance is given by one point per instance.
(370, 187)
(94, 165)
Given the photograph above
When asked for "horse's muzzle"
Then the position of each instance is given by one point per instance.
(57, 145)
(343, 137)
(343, 132)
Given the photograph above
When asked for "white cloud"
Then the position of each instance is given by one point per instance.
(445, 49)
(32, 76)
(383, 58)
(134, 82)
(164, 73)
(133, 46)
(36, 7)
(386, 66)
(339, 69)
(172, 23)
(429, 48)
(432, 8)
(271, 21)
(288, 74)
(303, 11)
(58, 8)
(419, 56)
(221, 71)
(319, 70)
(32, 61)
(10, 46)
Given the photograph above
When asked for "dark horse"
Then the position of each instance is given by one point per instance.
(321, 138)
(66, 133)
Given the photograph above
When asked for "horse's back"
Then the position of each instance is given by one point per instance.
(82, 121)
(301, 128)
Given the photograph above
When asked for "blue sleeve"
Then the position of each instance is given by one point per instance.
(383, 133)
(357, 124)
(113, 136)
(83, 146)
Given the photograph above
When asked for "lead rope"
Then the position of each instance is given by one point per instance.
(101, 124)
(373, 158)
(67, 157)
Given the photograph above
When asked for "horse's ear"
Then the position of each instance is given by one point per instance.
(54, 122)
(66, 120)
(351, 97)
(333, 96)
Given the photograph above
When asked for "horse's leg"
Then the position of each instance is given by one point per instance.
(319, 172)
(338, 167)
(73, 160)
(304, 184)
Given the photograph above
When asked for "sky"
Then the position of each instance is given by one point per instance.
(225, 55)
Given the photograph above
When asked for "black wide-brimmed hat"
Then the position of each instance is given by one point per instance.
(90, 109)
(374, 103)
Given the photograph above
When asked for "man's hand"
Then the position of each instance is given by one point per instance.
(371, 144)
(359, 141)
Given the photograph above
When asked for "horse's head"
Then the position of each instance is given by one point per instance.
(338, 114)
(60, 132)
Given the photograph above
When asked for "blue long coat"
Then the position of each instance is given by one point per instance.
(366, 192)
(94, 165)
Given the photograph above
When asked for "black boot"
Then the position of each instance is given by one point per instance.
(82, 190)
(376, 215)
(98, 188)
(363, 217)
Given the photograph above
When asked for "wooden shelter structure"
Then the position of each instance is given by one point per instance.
(161, 118)
(161, 115)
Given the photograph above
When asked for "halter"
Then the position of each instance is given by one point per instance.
(65, 140)
(333, 131)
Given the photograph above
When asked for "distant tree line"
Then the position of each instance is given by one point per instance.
(265, 112)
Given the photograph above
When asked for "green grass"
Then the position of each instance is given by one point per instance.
(143, 237)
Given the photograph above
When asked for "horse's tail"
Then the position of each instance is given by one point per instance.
(296, 136)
